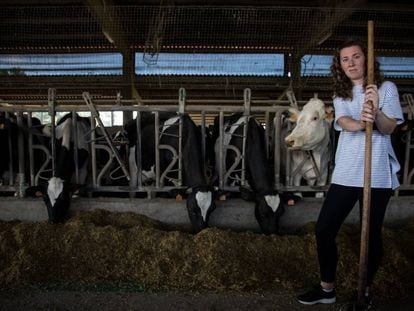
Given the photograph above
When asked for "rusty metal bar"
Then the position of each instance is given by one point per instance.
(157, 150)
(75, 138)
(20, 149)
(30, 146)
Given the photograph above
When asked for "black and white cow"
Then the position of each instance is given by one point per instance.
(402, 140)
(309, 142)
(8, 140)
(268, 204)
(58, 192)
(9, 157)
(200, 201)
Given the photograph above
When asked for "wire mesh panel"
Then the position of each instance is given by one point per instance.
(141, 36)
(199, 28)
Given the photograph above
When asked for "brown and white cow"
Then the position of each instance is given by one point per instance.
(309, 143)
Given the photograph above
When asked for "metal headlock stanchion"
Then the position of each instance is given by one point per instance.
(291, 175)
(30, 145)
(157, 148)
(95, 114)
(9, 142)
(247, 95)
(51, 98)
(277, 148)
(409, 146)
(182, 96)
(95, 182)
(138, 150)
(75, 144)
(176, 155)
(292, 99)
(203, 144)
(221, 148)
(224, 174)
(20, 149)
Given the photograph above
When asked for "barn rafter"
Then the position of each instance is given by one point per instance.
(292, 28)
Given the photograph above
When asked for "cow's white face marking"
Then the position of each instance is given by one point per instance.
(204, 201)
(273, 201)
(133, 170)
(148, 175)
(54, 189)
(168, 123)
(64, 131)
(47, 130)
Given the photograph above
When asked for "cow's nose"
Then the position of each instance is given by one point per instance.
(289, 142)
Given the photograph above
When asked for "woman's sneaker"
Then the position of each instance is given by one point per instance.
(317, 295)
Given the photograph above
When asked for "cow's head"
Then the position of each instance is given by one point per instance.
(311, 125)
(268, 210)
(200, 204)
(57, 199)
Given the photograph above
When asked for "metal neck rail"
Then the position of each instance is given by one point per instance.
(201, 108)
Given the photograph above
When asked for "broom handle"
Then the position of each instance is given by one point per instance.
(363, 258)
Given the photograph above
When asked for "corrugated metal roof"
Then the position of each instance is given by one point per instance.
(215, 64)
(318, 65)
(184, 64)
(61, 64)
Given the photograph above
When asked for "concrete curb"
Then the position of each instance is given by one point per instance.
(233, 214)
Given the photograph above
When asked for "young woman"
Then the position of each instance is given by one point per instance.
(352, 112)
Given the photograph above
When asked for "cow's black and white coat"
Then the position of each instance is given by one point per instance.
(402, 140)
(268, 205)
(200, 201)
(8, 133)
(58, 193)
(9, 158)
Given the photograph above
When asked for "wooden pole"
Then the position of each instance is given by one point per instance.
(363, 258)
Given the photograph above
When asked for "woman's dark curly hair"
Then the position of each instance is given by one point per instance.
(342, 85)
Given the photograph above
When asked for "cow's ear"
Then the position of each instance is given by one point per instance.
(293, 115)
(47, 130)
(330, 115)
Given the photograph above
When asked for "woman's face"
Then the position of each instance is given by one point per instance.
(352, 61)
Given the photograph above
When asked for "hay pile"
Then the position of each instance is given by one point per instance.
(102, 247)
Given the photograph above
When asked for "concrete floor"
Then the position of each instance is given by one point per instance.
(235, 214)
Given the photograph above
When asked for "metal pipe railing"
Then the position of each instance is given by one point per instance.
(21, 155)
(246, 107)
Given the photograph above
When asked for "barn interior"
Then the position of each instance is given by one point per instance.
(130, 55)
(127, 54)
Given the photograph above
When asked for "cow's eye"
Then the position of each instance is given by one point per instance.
(315, 118)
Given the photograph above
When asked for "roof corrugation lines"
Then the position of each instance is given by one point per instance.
(190, 64)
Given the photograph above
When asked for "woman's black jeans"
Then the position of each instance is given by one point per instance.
(338, 204)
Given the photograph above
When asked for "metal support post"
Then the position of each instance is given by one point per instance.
(95, 114)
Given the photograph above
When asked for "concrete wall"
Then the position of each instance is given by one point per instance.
(234, 213)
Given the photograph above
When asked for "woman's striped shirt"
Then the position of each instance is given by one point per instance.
(350, 153)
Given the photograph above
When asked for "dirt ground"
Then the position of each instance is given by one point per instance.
(282, 300)
(122, 261)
